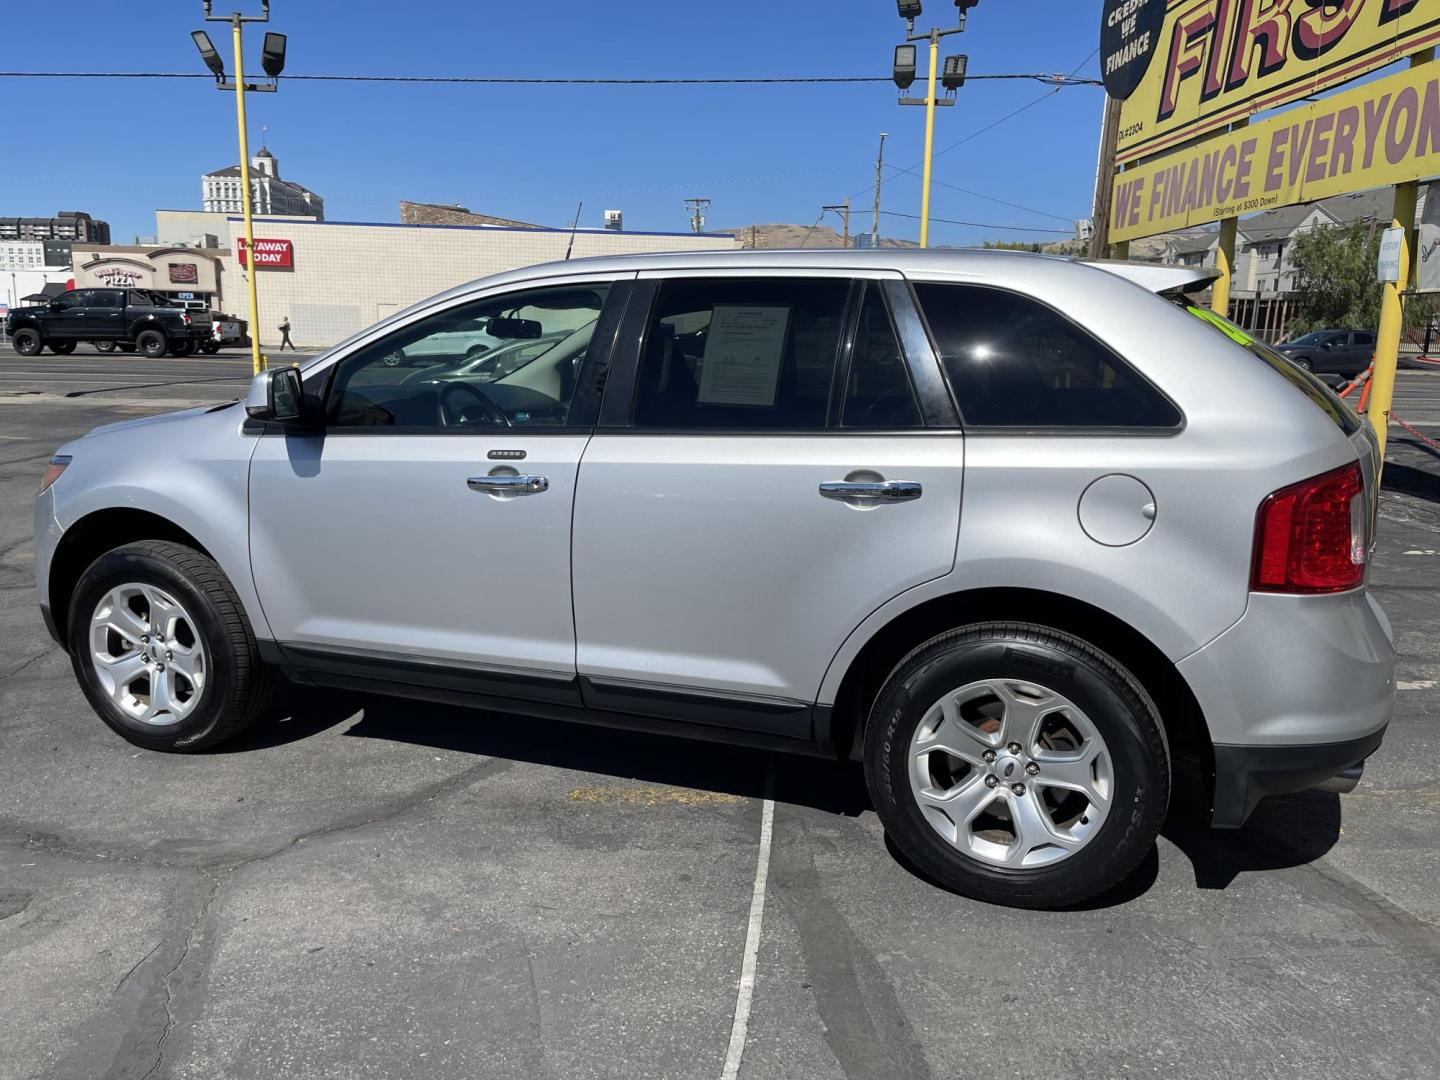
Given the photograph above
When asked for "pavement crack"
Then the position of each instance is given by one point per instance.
(136, 967)
(26, 663)
(167, 980)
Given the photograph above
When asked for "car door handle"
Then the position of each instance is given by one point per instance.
(509, 485)
(872, 491)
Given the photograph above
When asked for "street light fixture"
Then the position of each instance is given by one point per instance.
(272, 60)
(953, 75)
(953, 79)
(272, 54)
(904, 66)
(208, 53)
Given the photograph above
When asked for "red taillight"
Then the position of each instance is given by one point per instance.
(1311, 537)
(188, 319)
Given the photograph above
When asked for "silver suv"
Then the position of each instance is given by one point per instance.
(1024, 535)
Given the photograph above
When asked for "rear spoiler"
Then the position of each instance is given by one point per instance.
(1171, 281)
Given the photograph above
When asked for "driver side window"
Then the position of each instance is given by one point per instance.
(505, 361)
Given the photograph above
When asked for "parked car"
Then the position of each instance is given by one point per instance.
(952, 514)
(1337, 352)
(131, 319)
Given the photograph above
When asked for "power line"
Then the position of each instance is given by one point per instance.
(980, 224)
(465, 80)
(987, 198)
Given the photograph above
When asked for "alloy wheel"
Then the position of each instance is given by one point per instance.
(147, 654)
(1011, 773)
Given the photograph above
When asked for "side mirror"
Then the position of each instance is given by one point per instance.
(55, 305)
(276, 395)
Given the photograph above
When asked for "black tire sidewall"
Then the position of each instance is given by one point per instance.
(143, 344)
(29, 335)
(123, 566)
(1125, 720)
(62, 348)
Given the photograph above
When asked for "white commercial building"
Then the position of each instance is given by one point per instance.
(269, 194)
(331, 279)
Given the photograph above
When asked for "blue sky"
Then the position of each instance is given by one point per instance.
(121, 148)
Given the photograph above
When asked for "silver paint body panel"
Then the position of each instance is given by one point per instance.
(712, 564)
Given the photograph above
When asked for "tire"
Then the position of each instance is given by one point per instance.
(104, 346)
(27, 341)
(1093, 703)
(62, 348)
(1304, 364)
(210, 348)
(234, 687)
(126, 346)
(182, 348)
(152, 344)
(393, 359)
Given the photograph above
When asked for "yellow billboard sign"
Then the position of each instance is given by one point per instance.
(1382, 133)
(1218, 61)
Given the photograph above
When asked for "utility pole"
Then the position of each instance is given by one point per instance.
(843, 209)
(879, 179)
(697, 208)
(1105, 180)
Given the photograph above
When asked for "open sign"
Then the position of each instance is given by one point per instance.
(269, 254)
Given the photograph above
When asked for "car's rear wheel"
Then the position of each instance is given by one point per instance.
(182, 348)
(104, 346)
(151, 343)
(163, 649)
(1018, 765)
(62, 348)
(126, 346)
(1304, 362)
(210, 348)
(27, 341)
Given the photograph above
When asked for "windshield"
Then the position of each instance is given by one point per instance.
(1324, 398)
(1315, 337)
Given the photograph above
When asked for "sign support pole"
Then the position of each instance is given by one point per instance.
(1225, 255)
(1392, 304)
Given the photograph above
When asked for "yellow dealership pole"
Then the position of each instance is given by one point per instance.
(257, 362)
(1392, 303)
(1225, 263)
(929, 142)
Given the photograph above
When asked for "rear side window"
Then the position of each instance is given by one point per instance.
(1013, 362)
(878, 393)
(737, 353)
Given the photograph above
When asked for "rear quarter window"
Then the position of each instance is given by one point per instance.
(1320, 395)
(1013, 362)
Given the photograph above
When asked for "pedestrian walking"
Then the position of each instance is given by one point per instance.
(285, 336)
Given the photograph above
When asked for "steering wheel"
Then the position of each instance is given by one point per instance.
(493, 413)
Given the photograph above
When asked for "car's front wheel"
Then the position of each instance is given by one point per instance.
(104, 346)
(1018, 765)
(163, 649)
(27, 341)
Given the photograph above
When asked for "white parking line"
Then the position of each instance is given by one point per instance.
(740, 1027)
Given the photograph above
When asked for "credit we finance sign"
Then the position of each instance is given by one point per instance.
(1185, 68)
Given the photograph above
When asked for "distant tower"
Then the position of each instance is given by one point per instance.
(697, 208)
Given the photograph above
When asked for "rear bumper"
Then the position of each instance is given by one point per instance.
(1297, 691)
(1246, 774)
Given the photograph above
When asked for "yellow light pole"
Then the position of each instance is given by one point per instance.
(929, 140)
(952, 79)
(272, 60)
(257, 362)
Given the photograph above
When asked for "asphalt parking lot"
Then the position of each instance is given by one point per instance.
(380, 888)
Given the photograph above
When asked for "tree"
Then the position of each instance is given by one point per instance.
(1335, 277)
(1009, 245)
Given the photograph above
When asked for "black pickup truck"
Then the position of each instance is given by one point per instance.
(133, 320)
